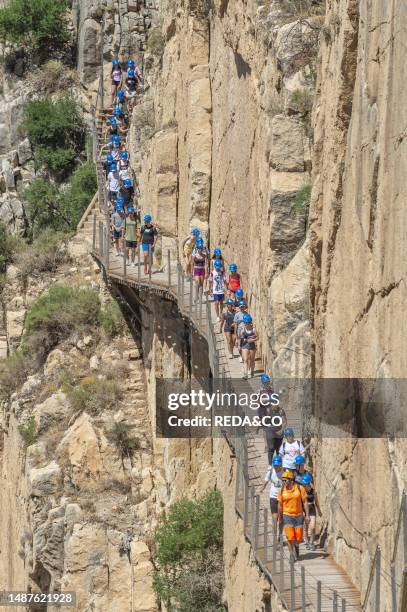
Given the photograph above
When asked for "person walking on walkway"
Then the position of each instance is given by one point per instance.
(270, 407)
(239, 295)
(313, 506)
(116, 74)
(274, 478)
(292, 506)
(217, 283)
(217, 256)
(113, 183)
(233, 280)
(290, 448)
(242, 308)
(149, 235)
(117, 227)
(200, 265)
(130, 235)
(227, 325)
(187, 247)
(248, 338)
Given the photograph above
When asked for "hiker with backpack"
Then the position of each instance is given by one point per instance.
(290, 448)
(307, 482)
(292, 511)
(274, 432)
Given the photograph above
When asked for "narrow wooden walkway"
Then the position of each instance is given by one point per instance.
(335, 591)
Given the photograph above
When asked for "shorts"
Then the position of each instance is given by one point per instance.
(117, 83)
(273, 505)
(199, 272)
(228, 329)
(131, 244)
(117, 234)
(293, 527)
(147, 248)
(247, 346)
(218, 297)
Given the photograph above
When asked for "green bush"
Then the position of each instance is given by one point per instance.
(303, 197)
(39, 25)
(76, 198)
(56, 131)
(112, 320)
(93, 395)
(120, 435)
(13, 373)
(28, 431)
(42, 200)
(189, 545)
(45, 254)
(301, 101)
(56, 314)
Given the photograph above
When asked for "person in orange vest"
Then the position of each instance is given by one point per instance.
(292, 506)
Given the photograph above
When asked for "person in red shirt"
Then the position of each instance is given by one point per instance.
(233, 280)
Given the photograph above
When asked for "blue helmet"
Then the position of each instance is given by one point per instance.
(112, 121)
(199, 243)
(128, 182)
(288, 431)
(247, 318)
(217, 252)
(265, 378)
(121, 94)
(195, 232)
(124, 155)
(116, 139)
(229, 302)
(117, 111)
(233, 267)
(299, 460)
(277, 460)
(130, 209)
(242, 303)
(120, 200)
(306, 479)
(115, 62)
(109, 158)
(218, 264)
(113, 165)
(130, 63)
(147, 218)
(239, 293)
(131, 73)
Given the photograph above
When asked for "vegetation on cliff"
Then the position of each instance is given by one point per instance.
(189, 544)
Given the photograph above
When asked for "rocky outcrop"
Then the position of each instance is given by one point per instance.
(358, 262)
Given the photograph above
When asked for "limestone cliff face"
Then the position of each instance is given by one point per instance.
(357, 230)
(222, 142)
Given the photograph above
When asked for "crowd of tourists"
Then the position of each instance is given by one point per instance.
(293, 499)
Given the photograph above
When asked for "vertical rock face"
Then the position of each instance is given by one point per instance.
(357, 231)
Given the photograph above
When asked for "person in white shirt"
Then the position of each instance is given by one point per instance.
(217, 282)
(290, 449)
(273, 477)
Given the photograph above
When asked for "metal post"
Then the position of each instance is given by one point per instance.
(237, 489)
(403, 594)
(275, 527)
(343, 605)
(335, 602)
(319, 596)
(169, 268)
(404, 527)
(102, 32)
(100, 241)
(265, 535)
(107, 250)
(377, 585)
(292, 585)
(303, 602)
(190, 295)
(281, 568)
(251, 494)
(150, 264)
(138, 263)
(182, 288)
(256, 520)
(94, 232)
(200, 310)
(178, 280)
(124, 258)
(393, 588)
(246, 503)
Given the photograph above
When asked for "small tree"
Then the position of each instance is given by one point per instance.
(120, 435)
(39, 25)
(28, 431)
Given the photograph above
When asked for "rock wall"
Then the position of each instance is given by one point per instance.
(357, 229)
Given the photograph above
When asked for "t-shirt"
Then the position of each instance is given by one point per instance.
(117, 74)
(275, 482)
(218, 279)
(113, 180)
(234, 282)
(117, 221)
(289, 451)
(148, 234)
(293, 500)
(130, 230)
(124, 173)
(238, 320)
